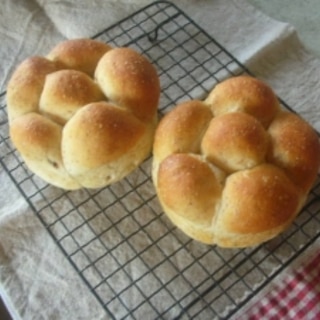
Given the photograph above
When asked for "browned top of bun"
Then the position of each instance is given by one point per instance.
(189, 187)
(235, 141)
(257, 200)
(79, 54)
(26, 84)
(235, 169)
(244, 94)
(67, 91)
(35, 135)
(128, 80)
(295, 149)
(99, 133)
(182, 130)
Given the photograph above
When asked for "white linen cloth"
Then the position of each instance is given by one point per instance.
(36, 280)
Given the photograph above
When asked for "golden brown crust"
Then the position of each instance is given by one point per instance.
(129, 80)
(182, 130)
(295, 149)
(67, 91)
(38, 140)
(244, 94)
(238, 176)
(34, 134)
(26, 84)
(256, 205)
(99, 133)
(240, 211)
(235, 141)
(79, 54)
(188, 186)
(103, 139)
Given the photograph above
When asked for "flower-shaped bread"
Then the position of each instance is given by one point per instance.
(234, 170)
(85, 115)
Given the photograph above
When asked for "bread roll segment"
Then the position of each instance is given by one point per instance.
(65, 92)
(75, 130)
(38, 140)
(79, 54)
(256, 205)
(244, 94)
(130, 81)
(190, 191)
(294, 149)
(26, 85)
(235, 141)
(239, 175)
(125, 140)
(181, 131)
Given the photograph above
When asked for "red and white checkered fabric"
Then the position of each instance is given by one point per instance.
(296, 296)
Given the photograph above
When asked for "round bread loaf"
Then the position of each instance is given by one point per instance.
(234, 170)
(84, 115)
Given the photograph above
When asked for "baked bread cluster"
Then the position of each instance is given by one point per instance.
(84, 115)
(234, 170)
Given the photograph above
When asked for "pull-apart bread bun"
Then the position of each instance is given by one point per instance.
(234, 170)
(85, 115)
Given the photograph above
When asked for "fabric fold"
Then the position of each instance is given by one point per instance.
(25, 30)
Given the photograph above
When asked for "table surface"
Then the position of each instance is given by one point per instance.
(303, 15)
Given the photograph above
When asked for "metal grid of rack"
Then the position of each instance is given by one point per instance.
(135, 262)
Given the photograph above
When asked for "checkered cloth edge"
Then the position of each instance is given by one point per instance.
(297, 296)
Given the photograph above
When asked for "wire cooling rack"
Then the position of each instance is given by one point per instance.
(133, 260)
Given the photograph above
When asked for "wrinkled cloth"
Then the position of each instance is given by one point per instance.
(36, 279)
